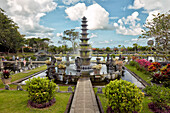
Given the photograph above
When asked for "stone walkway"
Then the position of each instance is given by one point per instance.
(84, 100)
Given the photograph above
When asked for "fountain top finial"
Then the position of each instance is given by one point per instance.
(84, 18)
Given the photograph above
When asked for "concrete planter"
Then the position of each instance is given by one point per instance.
(96, 71)
(61, 70)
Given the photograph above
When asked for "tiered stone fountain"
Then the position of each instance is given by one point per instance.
(85, 50)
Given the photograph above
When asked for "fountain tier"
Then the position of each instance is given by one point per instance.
(85, 50)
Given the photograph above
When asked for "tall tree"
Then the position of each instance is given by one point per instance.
(10, 37)
(72, 36)
(159, 29)
(135, 46)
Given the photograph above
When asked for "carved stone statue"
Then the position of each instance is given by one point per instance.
(78, 63)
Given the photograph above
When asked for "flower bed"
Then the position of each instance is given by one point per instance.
(159, 74)
(43, 105)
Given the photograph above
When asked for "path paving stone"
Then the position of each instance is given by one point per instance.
(84, 100)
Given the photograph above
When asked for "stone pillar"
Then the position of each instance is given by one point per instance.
(19, 66)
(67, 60)
(16, 66)
(1, 64)
(98, 60)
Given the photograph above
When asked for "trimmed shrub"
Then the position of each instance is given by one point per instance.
(160, 95)
(123, 96)
(41, 90)
(132, 63)
(33, 58)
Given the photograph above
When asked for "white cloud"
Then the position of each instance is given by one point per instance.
(151, 6)
(59, 34)
(76, 12)
(150, 17)
(77, 27)
(136, 5)
(69, 2)
(93, 35)
(128, 26)
(97, 16)
(113, 17)
(61, 6)
(27, 14)
(104, 42)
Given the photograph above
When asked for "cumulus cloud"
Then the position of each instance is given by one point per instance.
(151, 6)
(59, 34)
(136, 5)
(97, 16)
(76, 12)
(27, 14)
(128, 26)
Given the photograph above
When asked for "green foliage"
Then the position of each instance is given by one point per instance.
(158, 28)
(166, 83)
(26, 58)
(113, 55)
(38, 43)
(10, 38)
(140, 68)
(108, 49)
(71, 36)
(40, 90)
(129, 57)
(7, 57)
(160, 95)
(124, 96)
(33, 57)
(132, 63)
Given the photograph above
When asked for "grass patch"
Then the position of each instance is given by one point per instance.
(16, 102)
(144, 76)
(27, 73)
(95, 90)
(65, 88)
(24, 74)
(145, 102)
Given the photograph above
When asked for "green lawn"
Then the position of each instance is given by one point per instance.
(145, 102)
(16, 102)
(65, 88)
(144, 76)
(24, 74)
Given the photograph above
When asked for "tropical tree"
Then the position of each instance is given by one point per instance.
(135, 46)
(10, 38)
(72, 36)
(159, 29)
(108, 49)
(38, 43)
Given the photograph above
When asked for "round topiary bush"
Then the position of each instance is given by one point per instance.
(41, 92)
(123, 96)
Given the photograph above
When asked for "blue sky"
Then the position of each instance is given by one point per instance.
(111, 22)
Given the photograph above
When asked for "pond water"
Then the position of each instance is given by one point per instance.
(72, 69)
(160, 59)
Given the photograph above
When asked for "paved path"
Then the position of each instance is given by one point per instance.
(84, 100)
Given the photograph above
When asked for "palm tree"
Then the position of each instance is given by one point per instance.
(135, 45)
